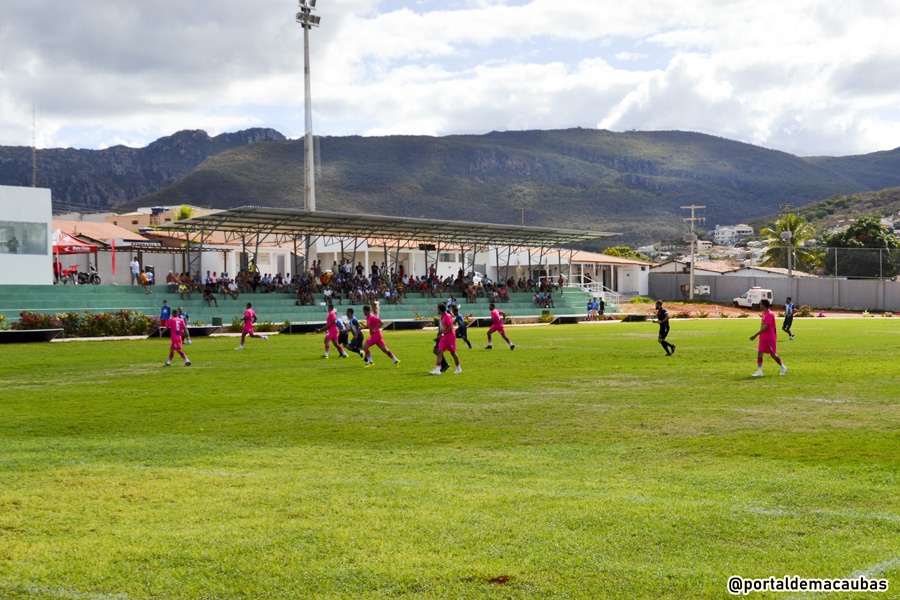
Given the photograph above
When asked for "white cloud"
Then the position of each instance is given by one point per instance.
(810, 76)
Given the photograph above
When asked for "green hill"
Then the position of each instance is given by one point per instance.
(633, 182)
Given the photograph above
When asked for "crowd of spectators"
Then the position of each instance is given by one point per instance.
(345, 282)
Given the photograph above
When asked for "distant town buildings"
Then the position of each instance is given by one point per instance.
(729, 235)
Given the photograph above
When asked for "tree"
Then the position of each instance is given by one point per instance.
(865, 249)
(625, 252)
(804, 259)
(184, 212)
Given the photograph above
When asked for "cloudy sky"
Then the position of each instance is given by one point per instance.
(810, 77)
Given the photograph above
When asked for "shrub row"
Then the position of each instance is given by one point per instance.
(73, 324)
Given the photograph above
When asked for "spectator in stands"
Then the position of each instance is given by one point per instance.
(145, 280)
(135, 271)
(184, 286)
(172, 281)
(230, 289)
(243, 282)
(208, 295)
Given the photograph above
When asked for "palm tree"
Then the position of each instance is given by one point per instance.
(805, 259)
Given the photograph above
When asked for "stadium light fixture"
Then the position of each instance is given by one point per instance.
(308, 20)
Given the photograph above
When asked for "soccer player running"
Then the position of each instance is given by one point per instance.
(331, 335)
(177, 328)
(354, 328)
(446, 341)
(767, 338)
(788, 318)
(662, 317)
(497, 325)
(373, 324)
(462, 327)
(249, 320)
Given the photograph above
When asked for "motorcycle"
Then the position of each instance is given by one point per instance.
(75, 277)
(93, 277)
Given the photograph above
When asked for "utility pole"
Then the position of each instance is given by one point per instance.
(786, 210)
(692, 238)
(521, 212)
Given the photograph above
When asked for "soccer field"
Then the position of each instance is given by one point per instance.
(584, 464)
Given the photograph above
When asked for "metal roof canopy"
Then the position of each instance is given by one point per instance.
(287, 223)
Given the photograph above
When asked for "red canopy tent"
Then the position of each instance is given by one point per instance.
(63, 243)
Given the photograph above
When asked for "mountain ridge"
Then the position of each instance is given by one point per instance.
(97, 180)
(631, 182)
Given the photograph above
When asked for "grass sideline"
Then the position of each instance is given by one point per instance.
(584, 464)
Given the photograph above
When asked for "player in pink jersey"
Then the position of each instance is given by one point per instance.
(768, 336)
(249, 320)
(331, 335)
(177, 328)
(446, 341)
(497, 325)
(373, 324)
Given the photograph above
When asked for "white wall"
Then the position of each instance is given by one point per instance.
(26, 213)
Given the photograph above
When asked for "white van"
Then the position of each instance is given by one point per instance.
(751, 298)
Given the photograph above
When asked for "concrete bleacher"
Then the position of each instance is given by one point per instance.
(273, 307)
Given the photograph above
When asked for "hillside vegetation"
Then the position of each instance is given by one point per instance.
(633, 183)
(97, 180)
(840, 208)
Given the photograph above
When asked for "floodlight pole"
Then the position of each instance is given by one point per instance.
(307, 20)
(692, 238)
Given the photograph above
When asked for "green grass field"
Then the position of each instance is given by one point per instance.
(584, 464)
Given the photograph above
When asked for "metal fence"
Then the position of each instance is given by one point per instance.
(846, 278)
(858, 263)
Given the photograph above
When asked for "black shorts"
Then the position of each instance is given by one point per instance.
(356, 343)
(342, 337)
(787, 323)
(663, 331)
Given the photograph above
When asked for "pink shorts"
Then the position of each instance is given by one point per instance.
(176, 343)
(447, 344)
(766, 347)
(332, 334)
(375, 341)
(248, 329)
(496, 327)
